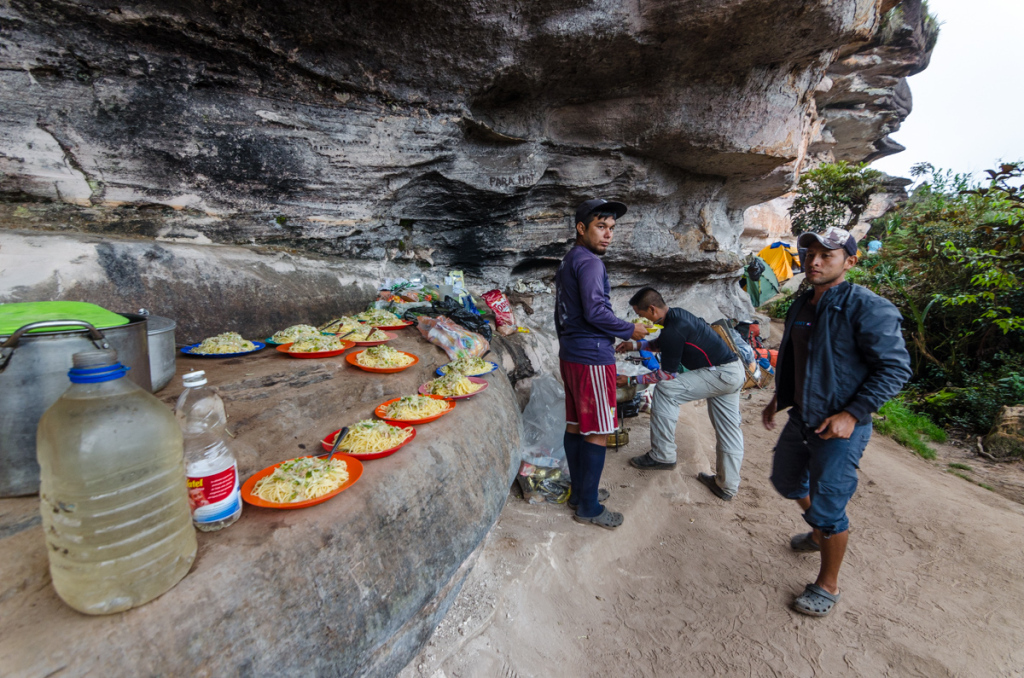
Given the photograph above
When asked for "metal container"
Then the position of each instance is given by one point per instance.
(618, 439)
(34, 373)
(162, 352)
(625, 393)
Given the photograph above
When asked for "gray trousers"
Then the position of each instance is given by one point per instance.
(721, 387)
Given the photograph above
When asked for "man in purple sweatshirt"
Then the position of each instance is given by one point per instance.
(587, 329)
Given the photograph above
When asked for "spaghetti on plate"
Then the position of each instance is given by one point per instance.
(301, 479)
(370, 436)
(229, 342)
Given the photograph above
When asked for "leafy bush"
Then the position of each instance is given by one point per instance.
(833, 194)
(953, 263)
(898, 422)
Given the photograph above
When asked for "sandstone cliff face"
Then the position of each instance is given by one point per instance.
(425, 133)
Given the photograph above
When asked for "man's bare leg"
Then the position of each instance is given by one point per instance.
(833, 550)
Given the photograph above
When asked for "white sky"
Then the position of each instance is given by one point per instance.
(969, 103)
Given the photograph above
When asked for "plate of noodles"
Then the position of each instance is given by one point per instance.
(342, 325)
(371, 439)
(382, 359)
(290, 334)
(454, 386)
(378, 317)
(414, 410)
(471, 367)
(401, 324)
(227, 345)
(301, 482)
(320, 346)
(371, 337)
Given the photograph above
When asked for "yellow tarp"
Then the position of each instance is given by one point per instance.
(781, 260)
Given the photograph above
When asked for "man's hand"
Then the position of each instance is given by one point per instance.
(837, 426)
(768, 415)
(625, 347)
(621, 380)
(639, 331)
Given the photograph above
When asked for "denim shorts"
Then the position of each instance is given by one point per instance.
(825, 470)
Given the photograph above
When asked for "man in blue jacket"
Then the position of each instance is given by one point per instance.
(587, 329)
(842, 357)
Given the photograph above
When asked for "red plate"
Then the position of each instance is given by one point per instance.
(411, 422)
(391, 336)
(355, 470)
(346, 345)
(400, 326)
(352, 357)
(328, 442)
(475, 380)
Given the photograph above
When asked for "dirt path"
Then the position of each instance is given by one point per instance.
(933, 583)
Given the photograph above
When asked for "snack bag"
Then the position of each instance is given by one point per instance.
(503, 315)
(452, 337)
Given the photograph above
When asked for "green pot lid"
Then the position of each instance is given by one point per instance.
(13, 316)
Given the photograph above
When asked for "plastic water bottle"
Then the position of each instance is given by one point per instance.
(112, 496)
(214, 495)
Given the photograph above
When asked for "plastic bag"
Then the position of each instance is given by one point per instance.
(504, 318)
(544, 475)
(455, 311)
(540, 484)
(453, 338)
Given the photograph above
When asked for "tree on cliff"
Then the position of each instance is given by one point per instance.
(833, 194)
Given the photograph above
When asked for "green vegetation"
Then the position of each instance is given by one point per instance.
(833, 194)
(907, 428)
(779, 306)
(953, 263)
(962, 467)
(894, 22)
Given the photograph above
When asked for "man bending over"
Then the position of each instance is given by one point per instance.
(695, 364)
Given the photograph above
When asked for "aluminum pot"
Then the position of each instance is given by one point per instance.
(162, 353)
(624, 394)
(34, 373)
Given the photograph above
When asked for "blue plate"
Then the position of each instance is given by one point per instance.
(187, 350)
(494, 366)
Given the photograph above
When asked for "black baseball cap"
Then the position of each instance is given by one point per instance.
(833, 238)
(584, 210)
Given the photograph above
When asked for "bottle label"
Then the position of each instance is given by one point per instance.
(214, 497)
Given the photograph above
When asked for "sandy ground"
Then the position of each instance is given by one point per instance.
(933, 583)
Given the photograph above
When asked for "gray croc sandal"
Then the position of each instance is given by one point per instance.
(602, 495)
(815, 601)
(609, 520)
(804, 543)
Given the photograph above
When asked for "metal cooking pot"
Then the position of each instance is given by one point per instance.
(625, 393)
(162, 353)
(34, 373)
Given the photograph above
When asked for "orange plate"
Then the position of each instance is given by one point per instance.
(355, 470)
(475, 380)
(407, 323)
(346, 345)
(328, 442)
(411, 422)
(391, 336)
(351, 358)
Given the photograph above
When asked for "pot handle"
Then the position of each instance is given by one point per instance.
(7, 348)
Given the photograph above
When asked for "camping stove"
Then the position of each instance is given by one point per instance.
(624, 409)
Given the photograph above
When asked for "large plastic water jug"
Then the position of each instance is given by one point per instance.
(112, 494)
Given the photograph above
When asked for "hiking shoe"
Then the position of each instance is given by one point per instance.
(712, 484)
(645, 463)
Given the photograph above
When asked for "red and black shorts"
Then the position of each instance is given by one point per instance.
(589, 397)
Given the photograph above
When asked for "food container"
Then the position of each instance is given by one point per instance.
(34, 373)
(162, 353)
